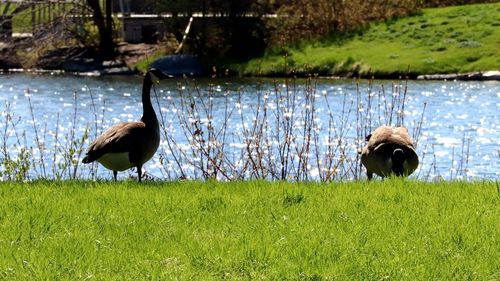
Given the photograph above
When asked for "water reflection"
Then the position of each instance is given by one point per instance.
(460, 136)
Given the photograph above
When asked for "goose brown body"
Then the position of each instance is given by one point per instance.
(129, 144)
(389, 150)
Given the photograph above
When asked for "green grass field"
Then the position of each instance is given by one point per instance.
(390, 230)
(441, 40)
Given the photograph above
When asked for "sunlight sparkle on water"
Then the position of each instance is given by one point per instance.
(458, 115)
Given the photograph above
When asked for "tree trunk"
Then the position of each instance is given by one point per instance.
(105, 28)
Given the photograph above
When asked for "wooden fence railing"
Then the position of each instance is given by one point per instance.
(31, 15)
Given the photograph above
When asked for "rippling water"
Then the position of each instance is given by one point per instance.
(460, 134)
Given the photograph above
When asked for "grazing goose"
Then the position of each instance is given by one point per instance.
(129, 144)
(389, 151)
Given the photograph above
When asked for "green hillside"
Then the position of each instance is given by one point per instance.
(439, 40)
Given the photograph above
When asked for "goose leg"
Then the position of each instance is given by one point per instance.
(139, 172)
(115, 173)
(369, 175)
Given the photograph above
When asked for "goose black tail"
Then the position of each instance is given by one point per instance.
(398, 158)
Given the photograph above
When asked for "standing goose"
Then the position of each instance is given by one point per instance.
(389, 151)
(129, 144)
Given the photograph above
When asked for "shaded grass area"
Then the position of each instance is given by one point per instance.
(391, 229)
(439, 40)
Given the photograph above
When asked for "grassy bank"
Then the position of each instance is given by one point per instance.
(249, 230)
(440, 40)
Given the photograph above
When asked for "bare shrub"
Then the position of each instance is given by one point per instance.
(288, 131)
(280, 129)
(305, 20)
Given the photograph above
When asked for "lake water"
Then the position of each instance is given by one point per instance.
(321, 123)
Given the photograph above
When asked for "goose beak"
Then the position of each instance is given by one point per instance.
(159, 74)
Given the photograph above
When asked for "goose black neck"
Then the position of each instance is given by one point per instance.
(148, 113)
